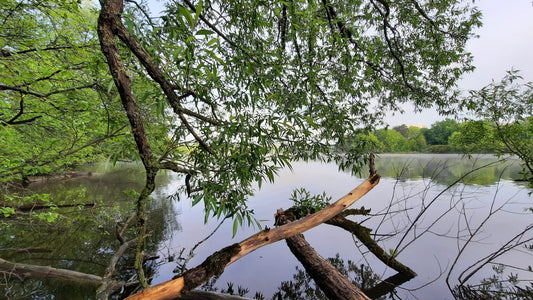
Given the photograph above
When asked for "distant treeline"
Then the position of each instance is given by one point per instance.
(448, 136)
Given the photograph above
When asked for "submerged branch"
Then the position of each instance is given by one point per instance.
(330, 280)
(25, 271)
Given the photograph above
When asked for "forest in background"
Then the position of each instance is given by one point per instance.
(449, 136)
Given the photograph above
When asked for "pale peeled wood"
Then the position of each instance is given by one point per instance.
(172, 289)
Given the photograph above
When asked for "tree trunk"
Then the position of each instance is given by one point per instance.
(330, 280)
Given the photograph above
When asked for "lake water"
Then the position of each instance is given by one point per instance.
(412, 187)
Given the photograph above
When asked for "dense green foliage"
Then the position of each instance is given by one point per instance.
(255, 85)
(508, 105)
(475, 136)
(261, 86)
(471, 136)
(440, 132)
(55, 107)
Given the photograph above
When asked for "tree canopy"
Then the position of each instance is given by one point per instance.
(256, 84)
(222, 92)
(56, 107)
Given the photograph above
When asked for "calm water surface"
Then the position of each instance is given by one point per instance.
(410, 184)
(408, 181)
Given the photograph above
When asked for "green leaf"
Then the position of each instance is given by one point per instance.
(7, 211)
(110, 85)
(211, 42)
(187, 14)
(198, 11)
(204, 32)
(196, 199)
(235, 226)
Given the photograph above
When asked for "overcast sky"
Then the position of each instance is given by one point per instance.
(505, 42)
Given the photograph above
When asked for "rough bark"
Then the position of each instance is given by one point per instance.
(109, 23)
(330, 280)
(181, 285)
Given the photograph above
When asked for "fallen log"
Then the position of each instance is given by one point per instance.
(106, 284)
(36, 180)
(11, 270)
(215, 264)
(330, 280)
(24, 271)
(27, 250)
(37, 206)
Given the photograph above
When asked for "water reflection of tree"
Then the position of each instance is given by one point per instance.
(301, 287)
(496, 287)
(446, 168)
(82, 238)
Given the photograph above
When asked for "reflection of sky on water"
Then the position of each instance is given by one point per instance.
(264, 269)
(175, 225)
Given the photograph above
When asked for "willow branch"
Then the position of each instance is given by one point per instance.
(157, 75)
(221, 34)
(4, 87)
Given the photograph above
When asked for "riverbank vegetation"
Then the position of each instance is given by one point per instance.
(450, 136)
(225, 94)
(468, 137)
(501, 123)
